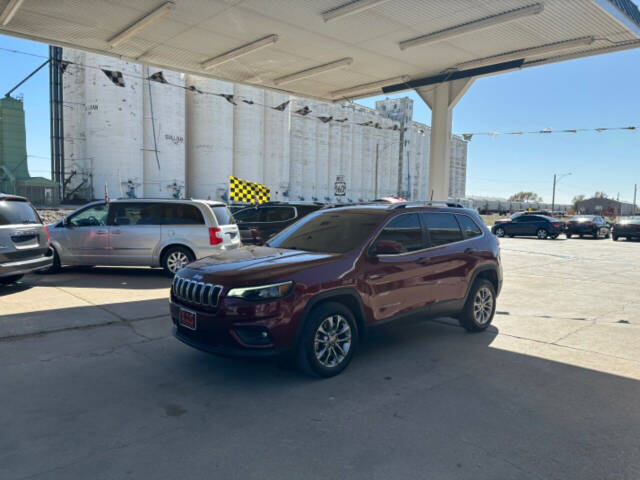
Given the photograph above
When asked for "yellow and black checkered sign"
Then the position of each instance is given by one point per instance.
(243, 191)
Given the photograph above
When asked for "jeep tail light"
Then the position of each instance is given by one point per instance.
(556, 224)
(215, 235)
(46, 229)
(590, 224)
(255, 234)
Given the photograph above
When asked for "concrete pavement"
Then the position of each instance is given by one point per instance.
(550, 391)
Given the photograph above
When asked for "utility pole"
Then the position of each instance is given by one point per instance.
(635, 193)
(553, 197)
(375, 194)
(556, 179)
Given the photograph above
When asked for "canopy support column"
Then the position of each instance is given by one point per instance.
(441, 99)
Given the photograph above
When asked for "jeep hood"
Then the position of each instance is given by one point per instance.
(249, 265)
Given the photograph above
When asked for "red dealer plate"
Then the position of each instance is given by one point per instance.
(188, 319)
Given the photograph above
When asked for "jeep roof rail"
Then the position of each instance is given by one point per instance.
(430, 203)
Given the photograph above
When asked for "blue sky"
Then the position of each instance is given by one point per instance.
(602, 91)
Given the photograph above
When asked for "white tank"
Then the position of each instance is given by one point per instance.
(335, 151)
(276, 148)
(248, 134)
(114, 127)
(210, 140)
(321, 187)
(356, 156)
(77, 166)
(308, 153)
(346, 150)
(164, 175)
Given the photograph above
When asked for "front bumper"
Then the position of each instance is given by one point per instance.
(223, 330)
(22, 267)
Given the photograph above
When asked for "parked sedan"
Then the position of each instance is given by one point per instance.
(592, 225)
(539, 226)
(628, 228)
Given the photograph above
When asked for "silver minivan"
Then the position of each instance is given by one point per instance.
(24, 243)
(143, 232)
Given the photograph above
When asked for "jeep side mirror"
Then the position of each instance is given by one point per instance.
(388, 247)
(66, 223)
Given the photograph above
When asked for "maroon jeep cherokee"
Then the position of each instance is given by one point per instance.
(315, 287)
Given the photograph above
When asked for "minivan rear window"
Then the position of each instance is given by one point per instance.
(223, 215)
(181, 214)
(15, 212)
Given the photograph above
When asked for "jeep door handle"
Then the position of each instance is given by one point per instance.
(101, 232)
(424, 261)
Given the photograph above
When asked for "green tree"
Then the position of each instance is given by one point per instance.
(600, 195)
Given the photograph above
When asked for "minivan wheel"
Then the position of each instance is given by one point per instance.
(500, 232)
(542, 234)
(175, 258)
(480, 308)
(328, 340)
(11, 279)
(55, 266)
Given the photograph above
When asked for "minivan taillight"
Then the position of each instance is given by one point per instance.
(556, 224)
(215, 235)
(48, 235)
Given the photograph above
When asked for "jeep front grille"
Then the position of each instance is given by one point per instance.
(200, 293)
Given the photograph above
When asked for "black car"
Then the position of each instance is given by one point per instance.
(592, 225)
(258, 223)
(628, 228)
(540, 226)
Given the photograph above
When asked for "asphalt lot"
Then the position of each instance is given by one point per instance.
(550, 391)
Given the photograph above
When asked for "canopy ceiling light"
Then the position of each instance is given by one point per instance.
(528, 52)
(144, 22)
(238, 52)
(9, 11)
(473, 26)
(310, 72)
(373, 87)
(350, 8)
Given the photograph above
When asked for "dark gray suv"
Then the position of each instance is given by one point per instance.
(24, 240)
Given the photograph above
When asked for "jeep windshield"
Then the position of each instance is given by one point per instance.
(329, 231)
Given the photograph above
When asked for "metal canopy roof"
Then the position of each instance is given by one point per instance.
(328, 49)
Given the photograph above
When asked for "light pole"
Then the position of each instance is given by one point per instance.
(378, 150)
(556, 179)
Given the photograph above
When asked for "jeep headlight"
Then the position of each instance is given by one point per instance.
(262, 292)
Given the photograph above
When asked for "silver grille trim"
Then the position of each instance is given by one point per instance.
(192, 291)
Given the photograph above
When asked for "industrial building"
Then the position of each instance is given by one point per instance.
(605, 206)
(186, 136)
(14, 171)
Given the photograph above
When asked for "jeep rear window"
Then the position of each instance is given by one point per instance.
(329, 231)
(15, 212)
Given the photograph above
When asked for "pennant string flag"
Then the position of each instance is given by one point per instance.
(158, 77)
(228, 97)
(303, 111)
(115, 76)
(282, 106)
(325, 119)
(63, 64)
(248, 102)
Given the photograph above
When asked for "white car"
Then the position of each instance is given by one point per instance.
(143, 232)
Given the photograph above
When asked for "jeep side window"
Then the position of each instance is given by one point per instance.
(468, 226)
(443, 228)
(402, 234)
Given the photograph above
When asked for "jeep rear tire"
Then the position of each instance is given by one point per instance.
(480, 307)
(328, 340)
